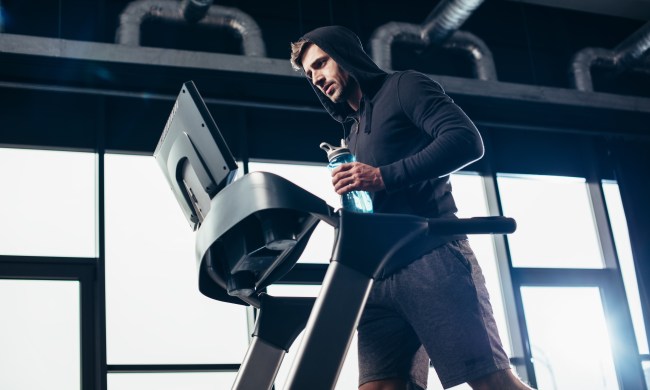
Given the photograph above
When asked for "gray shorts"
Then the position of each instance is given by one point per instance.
(435, 308)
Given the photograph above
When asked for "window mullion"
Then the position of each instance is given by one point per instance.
(627, 360)
(510, 289)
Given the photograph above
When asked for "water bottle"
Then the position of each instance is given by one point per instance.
(358, 201)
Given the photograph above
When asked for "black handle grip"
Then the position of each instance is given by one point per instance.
(475, 225)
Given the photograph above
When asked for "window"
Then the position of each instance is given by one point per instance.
(569, 338)
(155, 313)
(48, 203)
(171, 381)
(555, 224)
(40, 334)
(293, 290)
(565, 319)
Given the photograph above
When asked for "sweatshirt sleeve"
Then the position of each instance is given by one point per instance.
(455, 141)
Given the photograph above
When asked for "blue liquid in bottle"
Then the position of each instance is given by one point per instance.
(357, 201)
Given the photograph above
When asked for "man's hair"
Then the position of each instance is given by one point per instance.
(297, 49)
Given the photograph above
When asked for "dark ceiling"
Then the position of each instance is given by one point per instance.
(59, 59)
(531, 44)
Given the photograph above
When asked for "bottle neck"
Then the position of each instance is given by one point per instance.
(343, 158)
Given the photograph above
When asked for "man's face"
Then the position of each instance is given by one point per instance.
(326, 74)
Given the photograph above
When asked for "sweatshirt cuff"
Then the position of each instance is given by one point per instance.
(394, 176)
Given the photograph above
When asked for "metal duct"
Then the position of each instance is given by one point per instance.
(477, 51)
(631, 54)
(195, 10)
(131, 19)
(632, 50)
(469, 44)
(382, 39)
(440, 28)
(446, 18)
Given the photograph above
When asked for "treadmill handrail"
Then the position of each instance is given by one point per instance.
(473, 225)
(381, 239)
(368, 243)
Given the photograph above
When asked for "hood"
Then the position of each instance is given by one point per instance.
(345, 48)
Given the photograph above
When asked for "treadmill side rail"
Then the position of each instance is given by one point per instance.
(260, 366)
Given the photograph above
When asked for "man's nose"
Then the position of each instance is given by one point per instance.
(318, 80)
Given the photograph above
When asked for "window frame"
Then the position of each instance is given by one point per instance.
(609, 280)
(78, 269)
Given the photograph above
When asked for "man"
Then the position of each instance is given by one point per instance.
(408, 136)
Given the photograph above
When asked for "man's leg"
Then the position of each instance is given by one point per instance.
(390, 354)
(386, 384)
(444, 299)
(389, 384)
(500, 380)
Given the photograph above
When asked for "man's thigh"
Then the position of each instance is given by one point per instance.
(387, 345)
(443, 298)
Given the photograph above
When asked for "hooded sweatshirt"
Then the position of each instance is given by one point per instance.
(406, 126)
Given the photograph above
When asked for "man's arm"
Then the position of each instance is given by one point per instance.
(455, 140)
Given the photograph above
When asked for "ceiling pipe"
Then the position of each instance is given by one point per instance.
(195, 10)
(477, 51)
(136, 12)
(633, 49)
(446, 18)
(633, 54)
(439, 29)
(383, 38)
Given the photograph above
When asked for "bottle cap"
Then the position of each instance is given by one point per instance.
(334, 151)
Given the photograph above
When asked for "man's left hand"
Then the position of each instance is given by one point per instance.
(356, 176)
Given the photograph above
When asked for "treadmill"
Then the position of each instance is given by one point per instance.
(250, 232)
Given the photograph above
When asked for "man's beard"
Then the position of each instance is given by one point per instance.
(342, 96)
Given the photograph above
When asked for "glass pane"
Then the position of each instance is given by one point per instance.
(40, 335)
(171, 381)
(47, 205)
(555, 224)
(626, 261)
(317, 180)
(155, 313)
(646, 372)
(293, 290)
(569, 338)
